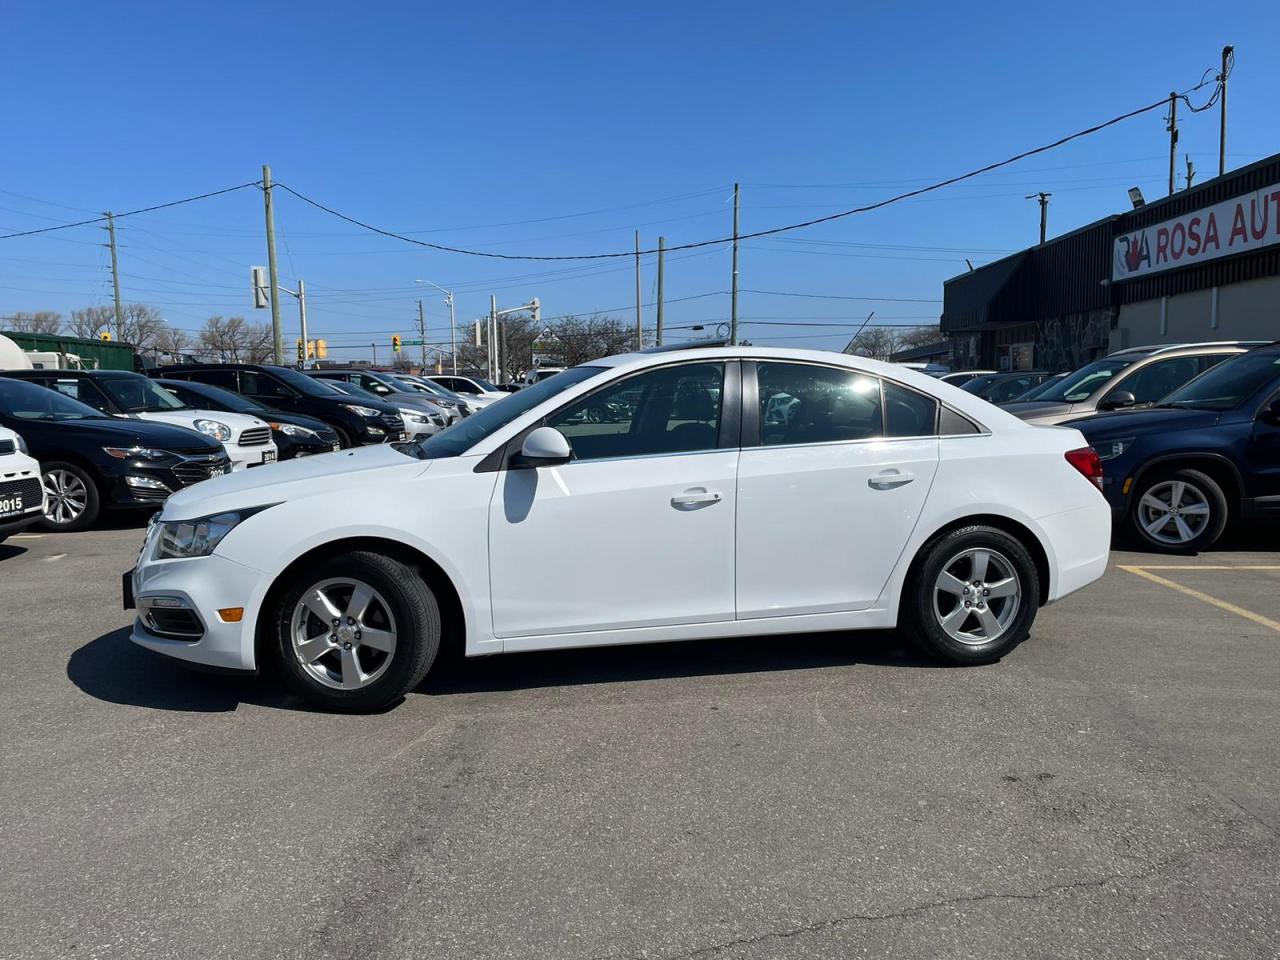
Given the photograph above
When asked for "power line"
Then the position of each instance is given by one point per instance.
(836, 296)
(759, 233)
(130, 213)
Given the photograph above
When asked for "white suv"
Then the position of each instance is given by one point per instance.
(872, 496)
(22, 495)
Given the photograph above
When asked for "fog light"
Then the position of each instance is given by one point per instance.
(146, 483)
(231, 614)
(376, 432)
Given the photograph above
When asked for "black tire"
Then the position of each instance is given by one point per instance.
(919, 612)
(416, 617)
(344, 438)
(1199, 487)
(92, 500)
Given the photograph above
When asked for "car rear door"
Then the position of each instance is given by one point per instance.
(637, 529)
(834, 472)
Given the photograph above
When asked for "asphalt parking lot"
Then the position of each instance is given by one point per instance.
(1109, 789)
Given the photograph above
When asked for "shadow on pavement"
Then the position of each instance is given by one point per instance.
(113, 669)
(666, 661)
(10, 550)
(1250, 536)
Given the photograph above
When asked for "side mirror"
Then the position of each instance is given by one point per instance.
(1272, 411)
(1118, 399)
(545, 447)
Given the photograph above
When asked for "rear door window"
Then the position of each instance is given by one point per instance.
(808, 403)
(1157, 380)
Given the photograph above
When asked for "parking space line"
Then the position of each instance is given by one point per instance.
(1203, 566)
(1204, 597)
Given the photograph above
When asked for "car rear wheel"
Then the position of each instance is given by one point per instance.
(357, 633)
(972, 598)
(73, 502)
(1178, 511)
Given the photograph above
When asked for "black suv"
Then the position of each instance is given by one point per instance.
(91, 461)
(355, 423)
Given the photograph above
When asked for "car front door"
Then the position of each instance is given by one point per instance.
(835, 469)
(1264, 458)
(637, 529)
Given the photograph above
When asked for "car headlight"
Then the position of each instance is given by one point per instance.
(417, 418)
(197, 538)
(136, 453)
(1110, 449)
(212, 428)
(293, 430)
(360, 411)
(22, 445)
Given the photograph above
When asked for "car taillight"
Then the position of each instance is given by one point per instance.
(1086, 460)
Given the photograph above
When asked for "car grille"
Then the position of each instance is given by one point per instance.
(29, 488)
(195, 469)
(255, 437)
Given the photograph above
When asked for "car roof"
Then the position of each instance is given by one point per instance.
(94, 374)
(1151, 350)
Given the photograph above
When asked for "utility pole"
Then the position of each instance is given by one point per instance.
(1191, 169)
(453, 335)
(375, 353)
(493, 329)
(1227, 53)
(639, 322)
(662, 256)
(278, 336)
(1044, 213)
(733, 307)
(1173, 139)
(422, 334)
(115, 274)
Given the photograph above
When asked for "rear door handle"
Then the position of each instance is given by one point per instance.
(889, 480)
(693, 497)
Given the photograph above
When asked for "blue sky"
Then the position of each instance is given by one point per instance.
(560, 128)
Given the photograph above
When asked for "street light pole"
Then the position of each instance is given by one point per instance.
(453, 330)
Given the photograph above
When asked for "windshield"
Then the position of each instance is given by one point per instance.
(203, 393)
(978, 382)
(1082, 384)
(308, 386)
(350, 389)
(484, 384)
(1227, 384)
(139, 395)
(1035, 393)
(465, 434)
(27, 401)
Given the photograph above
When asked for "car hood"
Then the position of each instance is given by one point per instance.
(1031, 409)
(340, 474)
(297, 419)
(1148, 420)
(238, 422)
(128, 432)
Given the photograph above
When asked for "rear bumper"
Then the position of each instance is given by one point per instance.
(14, 524)
(244, 457)
(1080, 545)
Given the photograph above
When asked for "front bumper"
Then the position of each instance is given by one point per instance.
(205, 585)
(15, 524)
(255, 456)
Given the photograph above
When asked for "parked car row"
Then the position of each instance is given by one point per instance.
(117, 440)
(1188, 434)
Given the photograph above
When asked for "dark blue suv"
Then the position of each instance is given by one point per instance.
(1176, 472)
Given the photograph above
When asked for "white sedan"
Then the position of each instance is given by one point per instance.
(707, 492)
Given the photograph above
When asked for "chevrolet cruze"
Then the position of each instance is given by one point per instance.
(706, 492)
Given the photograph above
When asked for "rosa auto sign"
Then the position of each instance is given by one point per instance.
(1248, 222)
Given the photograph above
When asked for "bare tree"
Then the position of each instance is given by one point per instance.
(42, 321)
(910, 337)
(878, 343)
(226, 339)
(90, 322)
(140, 326)
(171, 343)
(260, 342)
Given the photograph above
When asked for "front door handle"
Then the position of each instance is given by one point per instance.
(692, 498)
(889, 480)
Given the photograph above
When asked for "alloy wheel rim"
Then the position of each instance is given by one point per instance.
(1174, 512)
(976, 596)
(68, 496)
(343, 633)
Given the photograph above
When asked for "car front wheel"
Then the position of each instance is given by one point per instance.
(357, 633)
(972, 598)
(73, 502)
(1177, 511)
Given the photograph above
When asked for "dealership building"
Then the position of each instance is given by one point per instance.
(1203, 264)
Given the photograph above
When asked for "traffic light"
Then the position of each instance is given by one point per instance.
(302, 350)
(321, 349)
(105, 335)
(395, 343)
